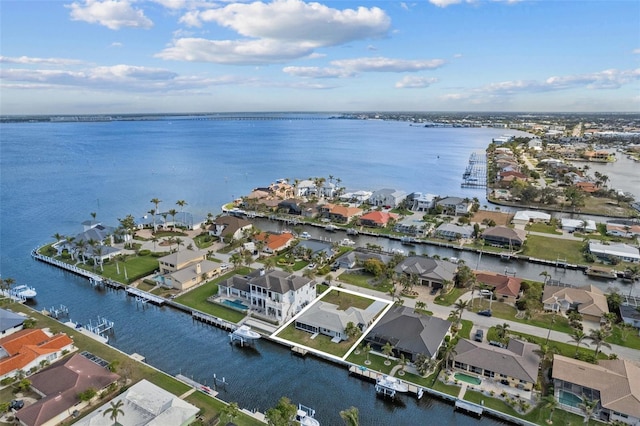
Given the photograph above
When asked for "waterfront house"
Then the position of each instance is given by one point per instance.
(309, 188)
(505, 288)
(10, 322)
(26, 349)
(452, 231)
(630, 315)
(59, 385)
(376, 219)
(104, 237)
(357, 197)
(356, 257)
(282, 189)
(229, 227)
(504, 236)
(573, 225)
(614, 384)
(431, 272)
(516, 365)
(410, 333)
(623, 230)
(511, 176)
(145, 404)
(274, 243)
(420, 202)
(614, 252)
(387, 197)
(276, 295)
(524, 217)
(586, 186)
(588, 300)
(339, 213)
(185, 268)
(290, 206)
(455, 205)
(501, 194)
(327, 319)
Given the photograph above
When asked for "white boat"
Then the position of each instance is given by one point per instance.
(24, 291)
(397, 251)
(304, 416)
(347, 242)
(245, 332)
(352, 231)
(305, 235)
(331, 228)
(392, 384)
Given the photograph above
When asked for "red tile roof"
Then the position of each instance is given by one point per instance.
(27, 345)
(380, 218)
(502, 284)
(275, 241)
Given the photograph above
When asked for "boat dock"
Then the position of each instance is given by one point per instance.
(57, 311)
(469, 407)
(197, 386)
(215, 321)
(475, 175)
(297, 350)
(144, 297)
(372, 376)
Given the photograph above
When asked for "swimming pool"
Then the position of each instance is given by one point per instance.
(467, 378)
(570, 399)
(236, 304)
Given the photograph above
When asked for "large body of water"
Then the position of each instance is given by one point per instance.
(54, 175)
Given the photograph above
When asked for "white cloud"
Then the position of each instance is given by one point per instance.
(381, 64)
(113, 14)
(242, 52)
(115, 44)
(292, 27)
(26, 60)
(415, 82)
(445, 3)
(317, 72)
(636, 51)
(295, 20)
(607, 79)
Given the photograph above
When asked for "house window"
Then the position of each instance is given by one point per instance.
(489, 373)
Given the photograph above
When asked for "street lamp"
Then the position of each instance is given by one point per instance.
(553, 321)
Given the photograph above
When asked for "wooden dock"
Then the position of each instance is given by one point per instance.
(145, 296)
(215, 321)
(469, 407)
(296, 350)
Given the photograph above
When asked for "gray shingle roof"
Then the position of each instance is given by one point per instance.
(411, 332)
(9, 320)
(427, 268)
(518, 360)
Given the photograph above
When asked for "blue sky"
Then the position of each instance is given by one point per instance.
(131, 56)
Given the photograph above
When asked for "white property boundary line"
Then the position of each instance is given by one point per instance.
(318, 299)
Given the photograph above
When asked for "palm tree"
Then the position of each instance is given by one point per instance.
(231, 411)
(598, 337)
(350, 416)
(58, 237)
(351, 330)
(114, 411)
(578, 336)
(420, 306)
(173, 213)
(402, 362)
(460, 306)
(155, 201)
(501, 330)
(546, 276)
(550, 403)
(448, 353)
(588, 407)
(366, 351)
(181, 203)
(387, 349)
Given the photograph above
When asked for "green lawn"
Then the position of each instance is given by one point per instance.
(377, 361)
(630, 340)
(212, 408)
(365, 281)
(543, 227)
(320, 342)
(465, 331)
(553, 249)
(562, 348)
(541, 319)
(451, 297)
(345, 301)
(538, 415)
(135, 266)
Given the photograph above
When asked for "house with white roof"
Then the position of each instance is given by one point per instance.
(571, 225)
(186, 268)
(387, 197)
(455, 205)
(452, 231)
(420, 202)
(145, 404)
(619, 251)
(524, 217)
(276, 295)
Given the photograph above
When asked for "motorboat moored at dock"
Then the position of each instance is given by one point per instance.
(245, 332)
(24, 292)
(389, 386)
(304, 416)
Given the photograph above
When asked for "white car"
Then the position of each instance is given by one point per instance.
(224, 266)
(486, 293)
(311, 265)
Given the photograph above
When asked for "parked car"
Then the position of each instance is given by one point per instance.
(224, 266)
(311, 265)
(16, 404)
(335, 267)
(486, 292)
(479, 335)
(485, 313)
(498, 344)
